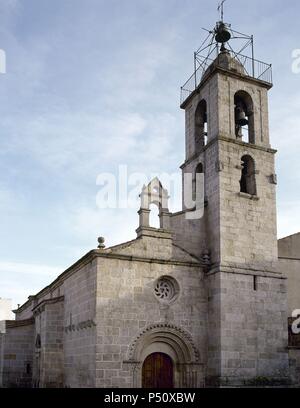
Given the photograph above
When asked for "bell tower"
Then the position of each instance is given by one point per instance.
(227, 135)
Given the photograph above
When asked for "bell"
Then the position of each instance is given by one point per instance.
(241, 119)
(222, 33)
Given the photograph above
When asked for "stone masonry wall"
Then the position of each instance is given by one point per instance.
(294, 356)
(126, 305)
(291, 270)
(248, 225)
(253, 329)
(17, 355)
(67, 328)
(189, 234)
(79, 327)
(49, 358)
(214, 291)
(289, 261)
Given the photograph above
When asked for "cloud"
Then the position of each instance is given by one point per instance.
(72, 141)
(116, 226)
(28, 269)
(285, 125)
(19, 280)
(88, 89)
(288, 218)
(6, 199)
(135, 77)
(79, 143)
(8, 10)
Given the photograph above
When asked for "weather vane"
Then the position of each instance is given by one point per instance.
(221, 9)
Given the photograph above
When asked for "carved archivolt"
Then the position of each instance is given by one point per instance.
(176, 338)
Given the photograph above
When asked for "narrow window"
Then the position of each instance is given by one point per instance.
(200, 126)
(38, 341)
(28, 368)
(248, 182)
(199, 170)
(205, 131)
(255, 283)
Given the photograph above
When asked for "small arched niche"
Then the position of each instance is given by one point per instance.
(200, 126)
(244, 117)
(248, 181)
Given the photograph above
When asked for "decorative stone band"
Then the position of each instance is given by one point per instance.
(224, 138)
(88, 324)
(263, 270)
(10, 324)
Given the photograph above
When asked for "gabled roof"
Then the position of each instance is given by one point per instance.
(145, 247)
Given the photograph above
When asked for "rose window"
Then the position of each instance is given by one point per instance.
(166, 289)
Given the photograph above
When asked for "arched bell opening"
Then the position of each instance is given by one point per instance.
(244, 117)
(154, 216)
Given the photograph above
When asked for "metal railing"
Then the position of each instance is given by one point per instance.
(252, 68)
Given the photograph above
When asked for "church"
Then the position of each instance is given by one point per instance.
(201, 301)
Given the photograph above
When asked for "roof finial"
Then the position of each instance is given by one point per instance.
(101, 241)
(221, 9)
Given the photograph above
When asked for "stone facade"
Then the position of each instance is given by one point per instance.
(210, 293)
(91, 335)
(16, 348)
(289, 260)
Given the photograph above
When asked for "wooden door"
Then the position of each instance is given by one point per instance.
(157, 371)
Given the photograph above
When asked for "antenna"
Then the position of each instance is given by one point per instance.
(221, 9)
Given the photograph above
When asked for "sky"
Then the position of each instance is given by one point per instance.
(94, 84)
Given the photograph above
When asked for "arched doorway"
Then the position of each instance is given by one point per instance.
(187, 370)
(158, 371)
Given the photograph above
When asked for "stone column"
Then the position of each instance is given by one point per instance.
(144, 217)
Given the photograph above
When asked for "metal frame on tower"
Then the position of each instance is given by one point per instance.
(240, 46)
